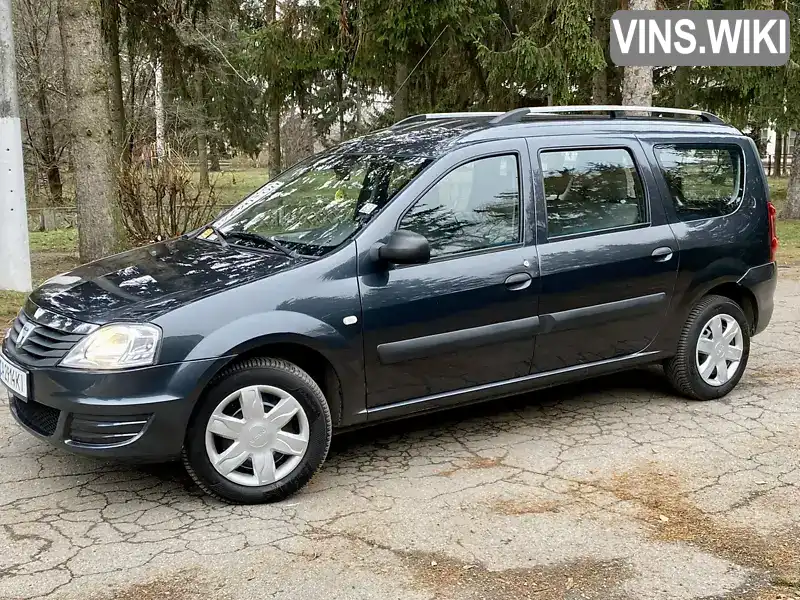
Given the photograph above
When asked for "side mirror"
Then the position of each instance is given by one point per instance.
(403, 248)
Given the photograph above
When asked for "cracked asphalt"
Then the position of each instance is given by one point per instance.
(611, 488)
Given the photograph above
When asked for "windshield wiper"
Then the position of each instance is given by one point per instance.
(257, 237)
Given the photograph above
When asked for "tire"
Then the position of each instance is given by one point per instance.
(227, 426)
(683, 370)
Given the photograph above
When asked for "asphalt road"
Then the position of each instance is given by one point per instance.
(613, 488)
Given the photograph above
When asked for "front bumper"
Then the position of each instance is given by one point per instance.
(139, 415)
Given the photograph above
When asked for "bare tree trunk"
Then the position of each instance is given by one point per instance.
(682, 90)
(86, 82)
(48, 151)
(614, 77)
(401, 93)
(159, 109)
(602, 32)
(778, 154)
(202, 141)
(130, 42)
(274, 133)
(600, 87)
(46, 148)
(471, 56)
(681, 83)
(786, 137)
(340, 101)
(358, 117)
(54, 184)
(213, 156)
(637, 82)
(110, 12)
(306, 136)
(274, 109)
(792, 208)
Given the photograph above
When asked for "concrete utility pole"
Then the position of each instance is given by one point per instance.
(15, 259)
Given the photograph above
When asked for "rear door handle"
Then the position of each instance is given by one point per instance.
(662, 254)
(518, 281)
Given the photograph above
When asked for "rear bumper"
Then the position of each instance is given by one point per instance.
(761, 281)
(139, 415)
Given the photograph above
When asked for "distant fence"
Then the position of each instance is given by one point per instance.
(770, 166)
(48, 219)
(224, 165)
(65, 217)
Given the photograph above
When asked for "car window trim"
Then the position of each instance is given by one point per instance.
(572, 236)
(521, 205)
(708, 145)
(572, 148)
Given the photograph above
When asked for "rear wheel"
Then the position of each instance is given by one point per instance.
(260, 433)
(713, 350)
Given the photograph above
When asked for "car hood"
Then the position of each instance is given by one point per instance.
(146, 282)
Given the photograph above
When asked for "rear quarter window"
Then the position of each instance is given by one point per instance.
(704, 181)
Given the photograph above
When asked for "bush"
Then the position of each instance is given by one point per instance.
(164, 201)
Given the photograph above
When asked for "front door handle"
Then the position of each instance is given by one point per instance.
(662, 254)
(518, 281)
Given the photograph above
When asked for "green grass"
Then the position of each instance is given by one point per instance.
(789, 242)
(777, 189)
(52, 252)
(10, 303)
(788, 229)
(60, 240)
(231, 187)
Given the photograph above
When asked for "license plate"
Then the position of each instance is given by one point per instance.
(13, 377)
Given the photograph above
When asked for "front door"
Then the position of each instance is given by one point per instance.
(608, 258)
(468, 317)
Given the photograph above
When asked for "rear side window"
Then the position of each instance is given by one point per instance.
(704, 181)
(591, 190)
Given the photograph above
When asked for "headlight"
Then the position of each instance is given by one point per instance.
(116, 346)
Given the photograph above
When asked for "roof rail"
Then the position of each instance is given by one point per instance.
(440, 116)
(613, 112)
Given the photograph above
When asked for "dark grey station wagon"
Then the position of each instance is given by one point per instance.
(451, 258)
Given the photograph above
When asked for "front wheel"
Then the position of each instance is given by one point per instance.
(260, 433)
(713, 350)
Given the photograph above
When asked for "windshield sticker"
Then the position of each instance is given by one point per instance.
(206, 234)
(368, 208)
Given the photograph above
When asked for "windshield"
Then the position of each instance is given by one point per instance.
(315, 206)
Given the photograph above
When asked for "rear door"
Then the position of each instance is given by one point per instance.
(608, 258)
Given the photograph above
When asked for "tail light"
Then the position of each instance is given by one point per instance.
(773, 232)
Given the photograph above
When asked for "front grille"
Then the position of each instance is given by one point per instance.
(45, 345)
(94, 430)
(42, 419)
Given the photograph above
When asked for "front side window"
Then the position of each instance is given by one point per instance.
(476, 206)
(591, 190)
(317, 205)
(704, 182)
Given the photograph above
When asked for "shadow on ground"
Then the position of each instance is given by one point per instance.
(643, 382)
